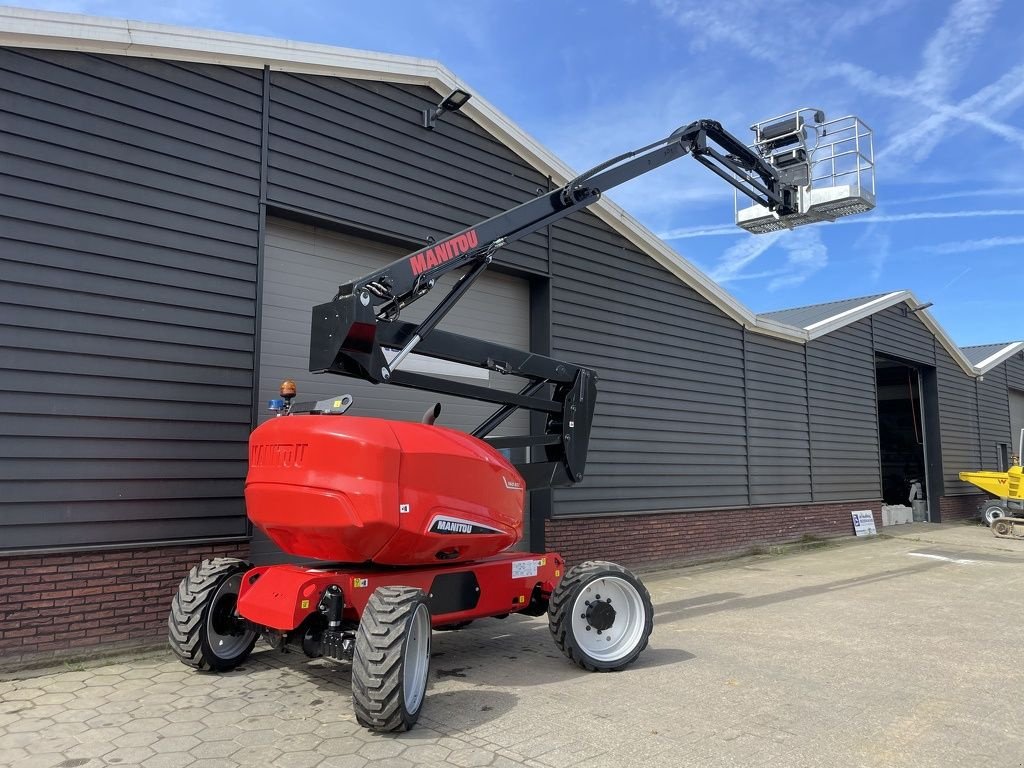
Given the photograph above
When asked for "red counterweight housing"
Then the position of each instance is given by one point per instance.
(357, 490)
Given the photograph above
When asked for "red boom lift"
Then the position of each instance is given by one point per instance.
(409, 525)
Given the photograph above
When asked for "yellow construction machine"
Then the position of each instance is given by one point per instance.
(1004, 515)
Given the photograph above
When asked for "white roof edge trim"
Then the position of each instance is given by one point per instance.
(854, 314)
(1001, 356)
(940, 333)
(823, 327)
(21, 27)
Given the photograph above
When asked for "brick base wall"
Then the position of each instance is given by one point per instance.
(953, 508)
(696, 536)
(52, 603)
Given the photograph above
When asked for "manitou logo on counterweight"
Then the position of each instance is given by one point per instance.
(450, 526)
(443, 251)
(454, 525)
(286, 455)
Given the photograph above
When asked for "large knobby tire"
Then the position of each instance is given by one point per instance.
(391, 663)
(204, 628)
(992, 511)
(601, 616)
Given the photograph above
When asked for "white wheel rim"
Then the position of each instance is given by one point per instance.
(615, 642)
(416, 659)
(992, 514)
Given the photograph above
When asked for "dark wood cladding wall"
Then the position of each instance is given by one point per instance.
(779, 456)
(1014, 368)
(128, 231)
(844, 414)
(129, 256)
(994, 415)
(958, 422)
(903, 335)
(356, 152)
(669, 428)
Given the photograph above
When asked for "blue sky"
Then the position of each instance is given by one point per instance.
(940, 81)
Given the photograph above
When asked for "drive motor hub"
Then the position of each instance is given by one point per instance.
(600, 614)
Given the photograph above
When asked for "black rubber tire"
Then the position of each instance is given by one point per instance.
(380, 659)
(188, 625)
(560, 610)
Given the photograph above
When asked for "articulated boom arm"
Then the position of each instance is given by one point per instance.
(350, 333)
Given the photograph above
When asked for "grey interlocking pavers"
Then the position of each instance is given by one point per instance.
(884, 653)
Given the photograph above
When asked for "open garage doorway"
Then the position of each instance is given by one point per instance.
(902, 440)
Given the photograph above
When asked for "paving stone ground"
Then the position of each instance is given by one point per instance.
(895, 652)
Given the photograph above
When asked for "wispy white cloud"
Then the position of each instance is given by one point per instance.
(951, 46)
(956, 277)
(918, 142)
(875, 244)
(805, 23)
(763, 275)
(960, 193)
(191, 13)
(741, 254)
(710, 27)
(685, 233)
(65, 6)
(944, 59)
(1007, 89)
(721, 230)
(806, 254)
(931, 215)
(857, 16)
(982, 244)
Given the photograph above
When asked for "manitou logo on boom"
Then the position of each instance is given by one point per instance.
(283, 455)
(443, 251)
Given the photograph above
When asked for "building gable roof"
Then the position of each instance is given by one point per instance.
(803, 317)
(820, 319)
(64, 31)
(985, 357)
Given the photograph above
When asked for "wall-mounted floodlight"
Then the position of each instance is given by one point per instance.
(906, 311)
(453, 102)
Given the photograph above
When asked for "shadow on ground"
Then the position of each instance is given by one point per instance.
(732, 601)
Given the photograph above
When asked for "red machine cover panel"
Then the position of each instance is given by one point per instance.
(353, 489)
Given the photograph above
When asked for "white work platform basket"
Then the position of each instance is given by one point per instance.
(832, 163)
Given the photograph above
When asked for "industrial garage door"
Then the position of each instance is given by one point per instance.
(303, 266)
(1016, 419)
